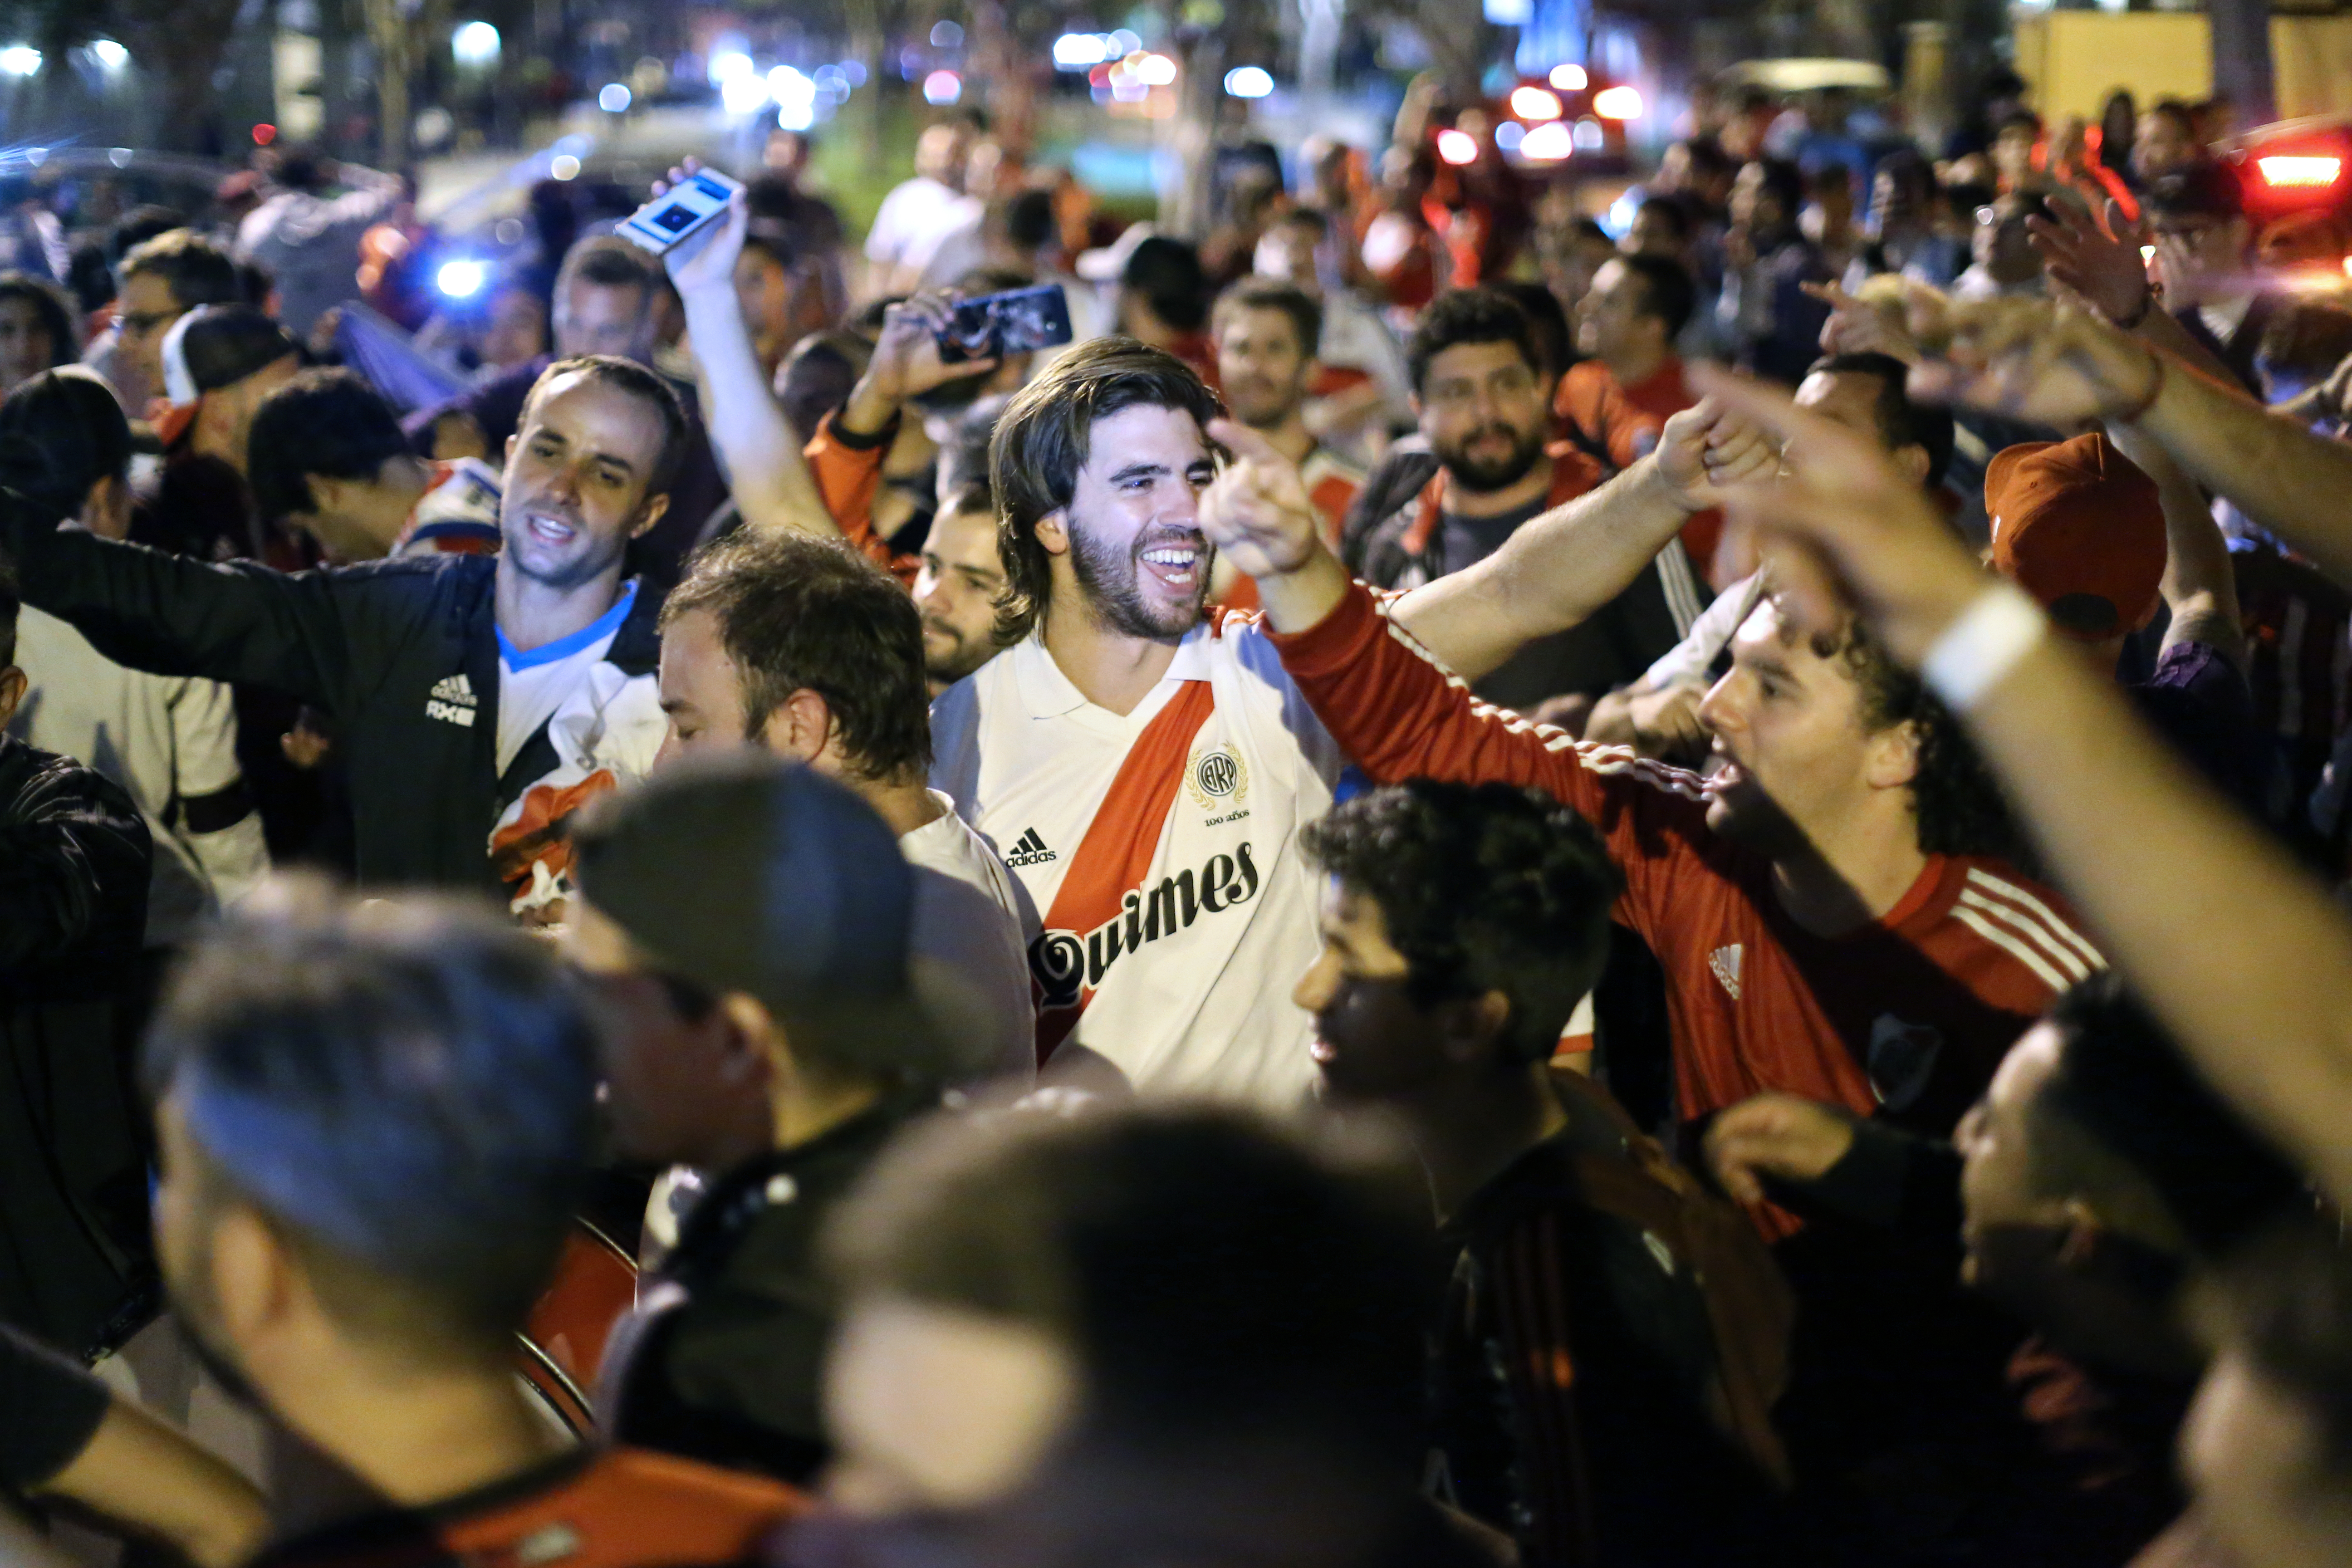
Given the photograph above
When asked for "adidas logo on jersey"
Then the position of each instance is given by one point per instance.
(1030, 850)
(1725, 963)
(452, 701)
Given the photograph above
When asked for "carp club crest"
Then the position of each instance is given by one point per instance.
(1216, 777)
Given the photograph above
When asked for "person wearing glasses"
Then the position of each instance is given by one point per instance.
(157, 282)
(2205, 259)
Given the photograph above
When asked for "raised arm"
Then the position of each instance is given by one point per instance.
(2200, 586)
(2063, 365)
(2244, 957)
(1565, 566)
(236, 621)
(762, 454)
(2102, 268)
(71, 1437)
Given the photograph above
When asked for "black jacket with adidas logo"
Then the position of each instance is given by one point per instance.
(391, 650)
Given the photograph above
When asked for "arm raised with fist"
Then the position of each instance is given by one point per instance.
(1549, 577)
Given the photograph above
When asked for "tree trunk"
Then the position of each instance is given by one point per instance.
(1460, 42)
(396, 62)
(1186, 201)
(179, 45)
(863, 120)
(2241, 59)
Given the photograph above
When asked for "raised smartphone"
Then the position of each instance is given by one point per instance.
(1012, 323)
(684, 210)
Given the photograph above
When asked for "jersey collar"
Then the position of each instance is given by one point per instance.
(1047, 693)
(595, 631)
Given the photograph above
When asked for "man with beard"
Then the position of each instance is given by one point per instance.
(1833, 918)
(1143, 768)
(1268, 333)
(959, 584)
(375, 1121)
(478, 700)
(1489, 468)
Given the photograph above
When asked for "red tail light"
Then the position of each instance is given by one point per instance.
(2300, 172)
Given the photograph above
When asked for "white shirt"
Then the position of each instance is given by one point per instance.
(953, 244)
(534, 682)
(972, 926)
(162, 739)
(913, 212)
(312, 243)
(1197, 998)
(2222, 317)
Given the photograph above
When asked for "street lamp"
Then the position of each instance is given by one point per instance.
(475, 44)
(795, 96)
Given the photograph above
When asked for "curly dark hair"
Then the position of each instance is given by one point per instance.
(1483, 888)
(1472, 315)
(1961, 807)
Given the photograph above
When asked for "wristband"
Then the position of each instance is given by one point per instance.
(2147, 303)
(1978, 649)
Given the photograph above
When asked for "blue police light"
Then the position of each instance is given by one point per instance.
(461, 279)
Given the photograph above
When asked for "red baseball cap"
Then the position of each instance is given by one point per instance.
(2077, 525)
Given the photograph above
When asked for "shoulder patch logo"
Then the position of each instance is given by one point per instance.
(1030, 849)
(1902, 1059)
(1216, 777)
(1724, 962)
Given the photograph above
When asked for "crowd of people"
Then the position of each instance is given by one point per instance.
(1478, 883)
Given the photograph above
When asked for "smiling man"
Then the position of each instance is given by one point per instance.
(469, 693)
(957, 586)
(1143, 764)
(1268, 334)
(1831, 908)
(1830, 911)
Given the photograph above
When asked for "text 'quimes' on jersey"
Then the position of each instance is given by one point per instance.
(1158, 848)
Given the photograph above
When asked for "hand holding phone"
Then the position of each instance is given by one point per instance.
(1014, 323)
(686, 208)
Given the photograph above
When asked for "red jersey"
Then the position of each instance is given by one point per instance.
(593, 1508)
(1907, 1017)
(1596, 412)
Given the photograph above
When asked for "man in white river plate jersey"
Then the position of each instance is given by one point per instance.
(1142, 762)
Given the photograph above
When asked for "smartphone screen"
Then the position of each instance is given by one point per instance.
(1016, 322)
(680, 211)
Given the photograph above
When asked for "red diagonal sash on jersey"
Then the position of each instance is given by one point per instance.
(1112, 859)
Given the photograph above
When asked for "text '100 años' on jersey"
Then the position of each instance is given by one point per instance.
(1066, 966)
